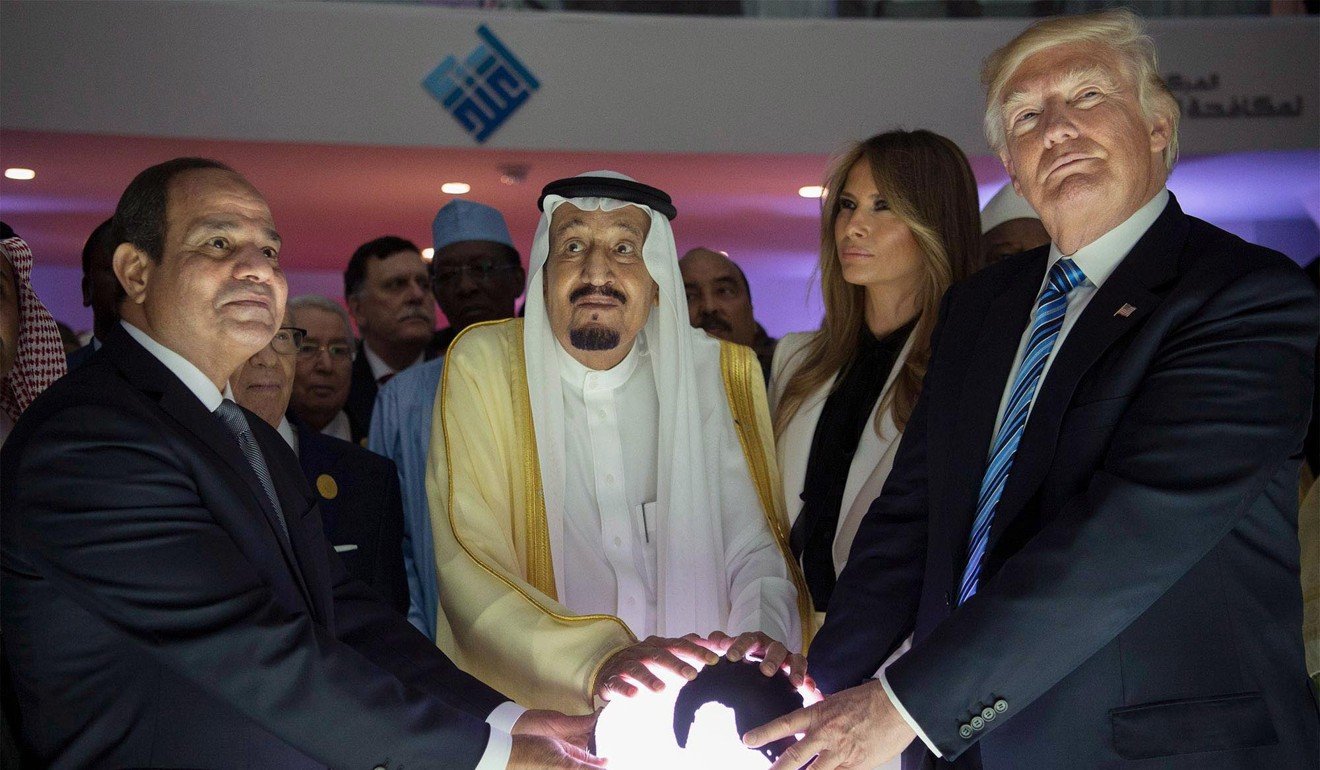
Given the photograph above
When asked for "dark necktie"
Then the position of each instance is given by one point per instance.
(1048, 319)
(384, 378)
(234, 419)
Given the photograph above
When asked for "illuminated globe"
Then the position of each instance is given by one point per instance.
(697, 724)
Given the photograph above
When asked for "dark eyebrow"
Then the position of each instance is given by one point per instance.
(229, 226)
(575, 222)
(728, 279)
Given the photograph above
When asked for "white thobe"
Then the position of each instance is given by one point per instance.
(611, 439)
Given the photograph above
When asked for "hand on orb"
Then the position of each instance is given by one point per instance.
(857, 728)
(538, 752)
(639, 665)
(574, 730)
(773, 655)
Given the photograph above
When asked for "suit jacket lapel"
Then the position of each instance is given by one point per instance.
(296, 500)
(149, 375)
(1001, 327)
(1151, 263)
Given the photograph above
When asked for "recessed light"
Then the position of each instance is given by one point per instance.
(811, 191)
(20, 173)
(428, 253)
(455, 188)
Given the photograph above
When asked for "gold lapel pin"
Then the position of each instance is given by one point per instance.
(326, 485)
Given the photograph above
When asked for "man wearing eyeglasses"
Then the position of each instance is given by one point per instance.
(476, 276)
(324, 368)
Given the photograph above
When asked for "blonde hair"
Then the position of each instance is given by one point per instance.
(1119, 30)
(928, 184)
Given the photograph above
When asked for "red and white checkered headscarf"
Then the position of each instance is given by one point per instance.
(40, 357)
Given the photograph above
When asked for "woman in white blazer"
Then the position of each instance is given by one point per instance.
(899, 223)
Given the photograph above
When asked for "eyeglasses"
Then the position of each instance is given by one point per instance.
(485, 270)
(287, 340)
(339, 351)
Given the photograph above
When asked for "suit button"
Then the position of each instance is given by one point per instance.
(1001, 705)
(965, 732)
(977, 723)
(379, 767)
(988, 714)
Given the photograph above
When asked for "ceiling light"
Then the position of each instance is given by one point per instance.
(428, 254)
(455, 188)
(811, 191)
(20, 173)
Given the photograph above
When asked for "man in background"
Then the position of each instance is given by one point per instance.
(324, 368)
(388, 291)
(1009, 225)
(100, 289)
(719, 301)
(476, 275)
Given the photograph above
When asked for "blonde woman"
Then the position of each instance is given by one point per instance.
(898, 225)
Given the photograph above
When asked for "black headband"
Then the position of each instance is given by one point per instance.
(609, 187)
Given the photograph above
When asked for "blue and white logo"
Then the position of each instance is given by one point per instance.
(483, 90)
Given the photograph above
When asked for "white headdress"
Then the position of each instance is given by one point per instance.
(692, 587)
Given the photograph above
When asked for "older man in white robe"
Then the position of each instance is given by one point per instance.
(603, 473)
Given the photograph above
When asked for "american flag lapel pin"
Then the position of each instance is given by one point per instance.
(1125, 311)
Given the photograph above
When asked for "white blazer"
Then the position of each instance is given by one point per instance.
(870, 466)
(871, 462)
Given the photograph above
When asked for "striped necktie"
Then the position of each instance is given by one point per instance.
(234, 419)
(1047, 320)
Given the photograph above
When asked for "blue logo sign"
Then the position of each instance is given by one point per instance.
(483, 90)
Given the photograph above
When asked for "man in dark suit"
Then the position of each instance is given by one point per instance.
(170, 598)
(1090, 528)
(357, 490)
(100, 289)
(388, 291)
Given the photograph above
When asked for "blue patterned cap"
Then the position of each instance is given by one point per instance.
(465, 220)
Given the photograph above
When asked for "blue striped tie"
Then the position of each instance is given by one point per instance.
(234, 419)
(1064, 277)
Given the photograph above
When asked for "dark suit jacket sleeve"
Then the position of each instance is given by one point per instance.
(111, 513)
(1217, 414)
(387, 638)
(874, 604)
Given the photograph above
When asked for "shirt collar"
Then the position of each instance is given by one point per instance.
(288, 433)
(192, 377)
(378, 366)
(1100, 257)
(576, 374)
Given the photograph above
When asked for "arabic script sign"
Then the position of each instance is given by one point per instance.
(1191, 94)
(484, 89)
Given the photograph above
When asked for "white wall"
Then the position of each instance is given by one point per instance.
(329, 72)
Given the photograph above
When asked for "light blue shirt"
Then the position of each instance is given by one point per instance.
(401, 431)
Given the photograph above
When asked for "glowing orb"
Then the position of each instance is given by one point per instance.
(637, 733)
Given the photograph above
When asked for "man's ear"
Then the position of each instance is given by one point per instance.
(133, 269)
(87, 291)
(655, 294)
(1161, 133)
(354, 305)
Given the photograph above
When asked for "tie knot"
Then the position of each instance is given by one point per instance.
(232, 416)
(1066, 276)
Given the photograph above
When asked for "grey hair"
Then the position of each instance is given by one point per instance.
(1120, 30)
(321, 302)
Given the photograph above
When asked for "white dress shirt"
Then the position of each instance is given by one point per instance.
(378, 366)
(610, 488)
(501, 720)
(1097, 259)
(339, 427)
